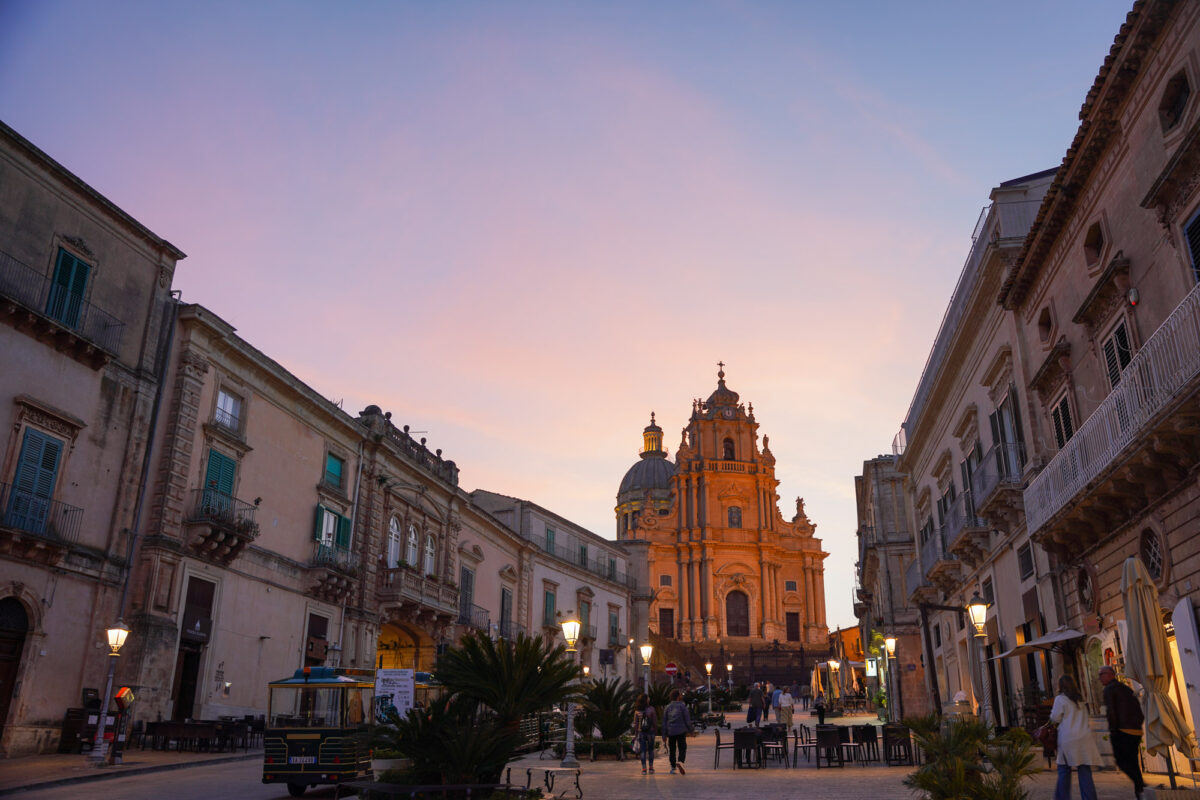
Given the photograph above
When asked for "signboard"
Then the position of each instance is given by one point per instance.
(394, 688)
(872, 668)
(671, 669)
(607, 658)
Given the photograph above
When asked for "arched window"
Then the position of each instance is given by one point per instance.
(729, 453)
(735, 517)
(430, 555)
(393, 547)
(1152, 554)
(413, 552)
(737, 614)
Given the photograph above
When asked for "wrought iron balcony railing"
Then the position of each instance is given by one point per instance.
(325, 555)
(1167, 362)
(209, 505)
(933, 552)
(914, 577)
(475, 616)
(42, 517)
(37, 292)
(510, 629)
(1000, 468)
(961, 517)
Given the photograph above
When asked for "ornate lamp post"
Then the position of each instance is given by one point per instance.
(977, 609)
(708, 665)
(893, 712)
(116, 639)
(834, 677)
(570, 628)
(647, 649)
(729, 672)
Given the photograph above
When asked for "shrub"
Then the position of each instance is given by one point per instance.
(964, 761)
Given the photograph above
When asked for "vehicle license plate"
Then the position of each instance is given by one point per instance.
(302, 760)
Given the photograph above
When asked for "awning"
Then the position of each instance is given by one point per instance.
(1054, 640)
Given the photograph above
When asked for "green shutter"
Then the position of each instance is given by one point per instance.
(343, 533)
(67, 289)
(221, 471)
(318, 523)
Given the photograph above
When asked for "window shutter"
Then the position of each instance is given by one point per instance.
(1124, 351)
(67, 289)
(1111, 363)
(343, 533)
(1193, 242)
(37, 465)
(318, 523)
(221, 471)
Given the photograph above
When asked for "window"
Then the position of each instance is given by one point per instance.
(1087, 597)
(33, 484)
(1006, 435)
(666, 623)
(614, 626)
(1025, 560)
(394, 545)
(411, 553)
(944, 503)
(430, 555)
(792, 623)
(1045, 326)
(612, 569)
(1174, 101)
(1151, 554)
(333, 470)
(1061, 417)
(505, 612)
(229, 411)
(1117, 354)
(927, 530)
(331, 529)
(65, 303)
(221, 472)
(937, 635)
(789, 586)
(549, 540)
(1192, 234)
(585, 616)
(549, 609)
(1093, 245)
(583, 555)
(735, 517)
(989, 593)
(729, 454)
(664, 580)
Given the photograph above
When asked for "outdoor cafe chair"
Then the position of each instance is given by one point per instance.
(804, 742)
(774, 743)
(717, 753)
(868, 736)
(745, 748)
(829, 746)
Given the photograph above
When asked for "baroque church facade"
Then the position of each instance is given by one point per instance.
(721, 564)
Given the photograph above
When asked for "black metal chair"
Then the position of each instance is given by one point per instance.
(720, 747)
(804, 743)
(774, 744)
(868, 737)
(745, 748)
(897, 745)
(829, 746)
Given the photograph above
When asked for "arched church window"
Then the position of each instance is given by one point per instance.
(729, 453)
(737, 614)
(735, 517)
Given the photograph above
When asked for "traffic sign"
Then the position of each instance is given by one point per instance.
(671, 669)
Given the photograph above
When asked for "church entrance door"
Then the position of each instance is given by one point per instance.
(737, 614)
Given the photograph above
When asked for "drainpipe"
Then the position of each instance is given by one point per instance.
(353, 526)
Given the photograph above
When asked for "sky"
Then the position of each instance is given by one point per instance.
(523, 226)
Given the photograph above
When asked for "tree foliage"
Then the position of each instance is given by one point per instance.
(608, 707)
(964, 761)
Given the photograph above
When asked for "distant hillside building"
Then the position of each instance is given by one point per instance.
(719, 562)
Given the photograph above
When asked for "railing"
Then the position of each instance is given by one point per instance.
(510, 630)
(325, 555)
(933, 551)
(961, 516)
(475, 616)
(1001, 467)
(47, 519)
(614, 638)
(731, 466)
(587, 632)
(37, 292)
(914, 577)
(597, 566)
(408, 583)
(226, 420)
(1168, 361)
(209, 505)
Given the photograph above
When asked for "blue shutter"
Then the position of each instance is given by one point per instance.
(33, 485)
(67, 289)
(343, 533)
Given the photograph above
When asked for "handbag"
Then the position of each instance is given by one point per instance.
(637, 745)
(1047, 737)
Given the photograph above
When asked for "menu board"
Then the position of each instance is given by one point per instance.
(393, 689)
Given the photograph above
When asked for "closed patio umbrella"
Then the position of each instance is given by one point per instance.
(1147, 661)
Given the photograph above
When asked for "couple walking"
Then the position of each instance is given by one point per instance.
(676, 725)
(1077, 747)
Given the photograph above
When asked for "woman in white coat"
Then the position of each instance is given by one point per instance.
(1076, 745)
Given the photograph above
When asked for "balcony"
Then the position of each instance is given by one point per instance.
(510, 629)
(1137, 445)
(941, 566)
(615, 638)
(967, 535)
(35, 528)
(331, 573)
(587, 632)
(474, 616)
(919, 589)
(66, 322)
(596, 566)
(423, 599)
(740, 467)
(219, 525)
(997, 483)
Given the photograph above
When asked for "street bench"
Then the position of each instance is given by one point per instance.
(369, 790)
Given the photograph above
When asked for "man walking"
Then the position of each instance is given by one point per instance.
(776, 693)
(1124, 726)
(756, 704)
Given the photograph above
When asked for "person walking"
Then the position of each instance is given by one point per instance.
(776, 693)
(819, 707)
(645, 722)
(677, 724)
(805, 696)
(755, 701)
(1125, 719)
(1076, 746)
(787, 706)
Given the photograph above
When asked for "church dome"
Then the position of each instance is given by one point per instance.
(723, 396)
(652, 471)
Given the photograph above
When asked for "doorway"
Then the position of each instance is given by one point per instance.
(14, 624)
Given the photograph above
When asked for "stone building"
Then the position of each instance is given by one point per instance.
(84, 298)
(886, 549)
(717, 560)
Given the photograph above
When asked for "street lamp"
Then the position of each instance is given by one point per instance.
(729, 671)
(977, 610)
(117, 635)
(586, 671)
(708, 665)
(570, 628)
(647, 649)
(889, 644)
(834, 675)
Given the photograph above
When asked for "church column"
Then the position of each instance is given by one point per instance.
(705, 590)
(820, 575)
(810, 605)
(764, 589)
(692, 588)
(681, 598)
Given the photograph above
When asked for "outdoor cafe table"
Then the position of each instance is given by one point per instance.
(196, 735)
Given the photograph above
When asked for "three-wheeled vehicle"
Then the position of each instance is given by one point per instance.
(317, 723)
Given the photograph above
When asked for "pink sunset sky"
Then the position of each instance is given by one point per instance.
(521, 227)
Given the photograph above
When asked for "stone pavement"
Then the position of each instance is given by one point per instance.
(40, 772)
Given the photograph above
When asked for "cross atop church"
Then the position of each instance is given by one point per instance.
(721, 365)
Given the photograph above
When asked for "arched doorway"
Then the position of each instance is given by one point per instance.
(14, 624)
(737, 614)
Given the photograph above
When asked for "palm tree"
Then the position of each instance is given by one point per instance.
(608, 706)
(963, 761)
(511, 677)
